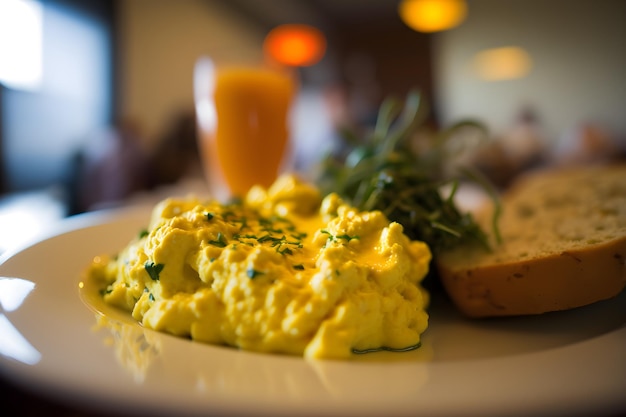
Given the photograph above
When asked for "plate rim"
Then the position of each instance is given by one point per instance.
(106, 216)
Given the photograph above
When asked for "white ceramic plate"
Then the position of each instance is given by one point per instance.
(569, 363)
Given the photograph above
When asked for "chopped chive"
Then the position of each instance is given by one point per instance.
(334, 238)
(268, 237)
(106, 291)
(284, 251)
(220, 242)
(253, 273)
(153, 269)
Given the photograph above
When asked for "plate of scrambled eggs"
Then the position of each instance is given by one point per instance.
(283, 304)
(283, 271)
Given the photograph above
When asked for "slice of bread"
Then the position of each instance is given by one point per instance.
(563, 246)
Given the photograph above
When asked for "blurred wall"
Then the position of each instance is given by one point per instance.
(159, 42)
(577, 47)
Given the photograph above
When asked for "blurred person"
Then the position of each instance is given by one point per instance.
(112, 166)
(588, 143)
(521, 148)
(525, 143)
(176, 154)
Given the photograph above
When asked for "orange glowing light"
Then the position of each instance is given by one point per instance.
(432, 15)
(295, 45)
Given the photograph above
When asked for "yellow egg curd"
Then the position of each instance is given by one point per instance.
(283, 271)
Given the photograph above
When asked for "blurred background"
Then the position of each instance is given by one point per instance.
(97, 105)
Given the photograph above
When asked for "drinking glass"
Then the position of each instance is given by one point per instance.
(243, 114)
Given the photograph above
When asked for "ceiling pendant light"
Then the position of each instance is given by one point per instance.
(295, 45)
(432, 15)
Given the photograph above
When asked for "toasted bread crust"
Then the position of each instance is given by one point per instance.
(569, 275)
(557, 282)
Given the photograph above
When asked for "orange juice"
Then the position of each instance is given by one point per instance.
(250, 136)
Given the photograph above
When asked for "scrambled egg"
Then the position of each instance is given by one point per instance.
(284, 271)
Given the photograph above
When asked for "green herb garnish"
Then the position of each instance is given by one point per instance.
(280, 243)
(334, 238)
(220, 242)
(284, 251)
(383, 171)
(330, 235)
(253, 273)
(106, 291)
(153, 269)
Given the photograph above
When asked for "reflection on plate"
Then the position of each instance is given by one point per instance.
(568, 362)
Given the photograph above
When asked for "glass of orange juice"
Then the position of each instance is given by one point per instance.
(243, 114)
